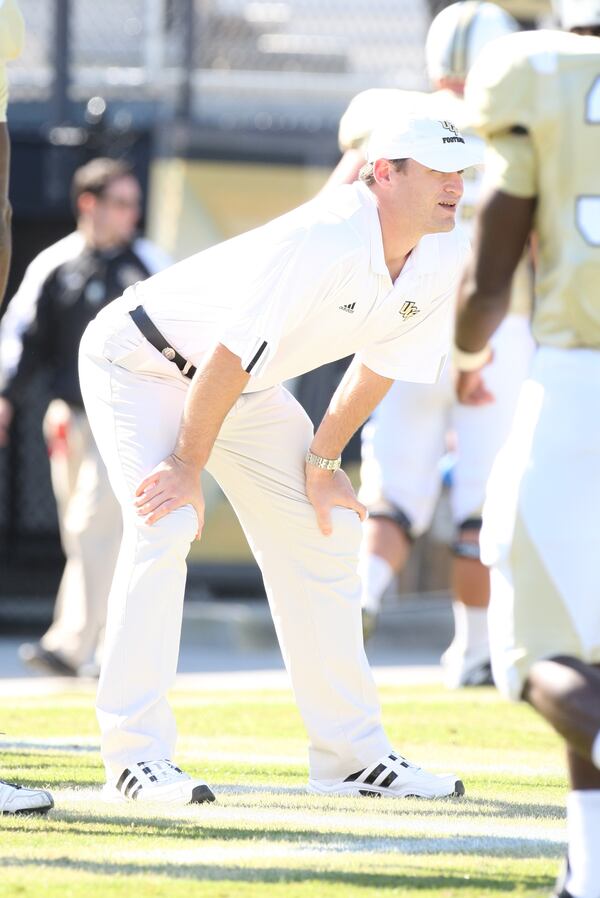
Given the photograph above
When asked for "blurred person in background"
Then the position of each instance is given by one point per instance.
(536, 99)
(404, 441)
(62, 290)
(528, 13)
(14, 799)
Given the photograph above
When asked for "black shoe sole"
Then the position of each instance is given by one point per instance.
(459, 789)
(201, 794)
(46, 662)
(481, 676)
(27, 812)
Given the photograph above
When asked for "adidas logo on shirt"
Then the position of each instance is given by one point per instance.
(348, 308)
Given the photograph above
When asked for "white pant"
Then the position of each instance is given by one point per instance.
(541, 524)
(90, 528)
(405, 438)
(134, 398)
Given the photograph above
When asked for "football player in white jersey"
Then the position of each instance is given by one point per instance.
(405, 439)
(535, 97)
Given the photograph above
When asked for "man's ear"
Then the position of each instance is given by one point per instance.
(382, 169)
(86, 202)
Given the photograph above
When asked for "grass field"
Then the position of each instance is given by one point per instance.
(266, 838)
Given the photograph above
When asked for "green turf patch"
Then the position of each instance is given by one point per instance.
(266, 837)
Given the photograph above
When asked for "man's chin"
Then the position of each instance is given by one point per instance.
(442, 227)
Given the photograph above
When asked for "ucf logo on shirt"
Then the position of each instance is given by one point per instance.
(408, 309)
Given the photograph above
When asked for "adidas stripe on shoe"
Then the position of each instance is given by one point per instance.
(157, 781)
(391, 776)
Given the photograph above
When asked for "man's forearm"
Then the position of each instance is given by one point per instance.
(359, 393)
(503, 226)
(479, 313)
(212, 393)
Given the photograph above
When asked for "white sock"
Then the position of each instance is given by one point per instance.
(376, 575)
(596, 752)
(470, 628)
(583, 828)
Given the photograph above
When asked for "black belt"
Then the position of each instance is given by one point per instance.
(154, 336)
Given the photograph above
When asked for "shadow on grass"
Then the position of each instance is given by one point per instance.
(465, 806)
(423, 879)
(81, 824)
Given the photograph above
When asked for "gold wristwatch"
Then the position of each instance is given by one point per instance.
(326, 464)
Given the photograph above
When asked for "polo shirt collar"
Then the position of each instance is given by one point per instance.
(425, 257)
(368, 200)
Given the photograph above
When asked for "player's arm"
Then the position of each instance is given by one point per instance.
(358, 394)
(5, 213)
(503, 226)
(176, 481)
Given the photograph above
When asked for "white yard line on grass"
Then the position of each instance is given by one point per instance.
(341, 831)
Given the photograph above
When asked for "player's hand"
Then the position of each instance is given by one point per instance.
(172, 484)
(471, 388)
(6, 416)
(326, 490)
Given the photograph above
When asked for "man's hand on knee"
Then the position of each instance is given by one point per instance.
(172, 484)
(326, 490)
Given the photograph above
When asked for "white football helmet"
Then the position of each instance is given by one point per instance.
(459, 32)
(578, 13)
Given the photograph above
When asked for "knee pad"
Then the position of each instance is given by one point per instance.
(466, 548)
(385, 509)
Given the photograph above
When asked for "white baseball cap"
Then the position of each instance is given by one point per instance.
(435, 144)
(578, 13)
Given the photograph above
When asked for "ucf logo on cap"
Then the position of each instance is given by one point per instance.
(456, 138)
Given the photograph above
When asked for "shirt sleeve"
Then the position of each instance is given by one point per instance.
(510, 165)
(20, 314)
(282, 288)
(35, 344)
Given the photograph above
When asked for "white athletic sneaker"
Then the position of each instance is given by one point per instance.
(20, 800)
(393, 777)
(464, 669)
(157, 781)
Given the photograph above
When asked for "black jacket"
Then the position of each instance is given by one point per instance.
(69, 299)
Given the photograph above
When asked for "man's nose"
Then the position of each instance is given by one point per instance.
(454, 184)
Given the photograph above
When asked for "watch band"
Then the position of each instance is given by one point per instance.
(326, 464)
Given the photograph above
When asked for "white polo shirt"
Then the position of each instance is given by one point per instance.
(308, 288)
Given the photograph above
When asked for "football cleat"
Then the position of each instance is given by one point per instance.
(462, 669)
(157, 781)
(20, 800)
(36, 657)
(391, 776)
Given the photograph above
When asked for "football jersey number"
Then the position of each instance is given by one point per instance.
(587, 208)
